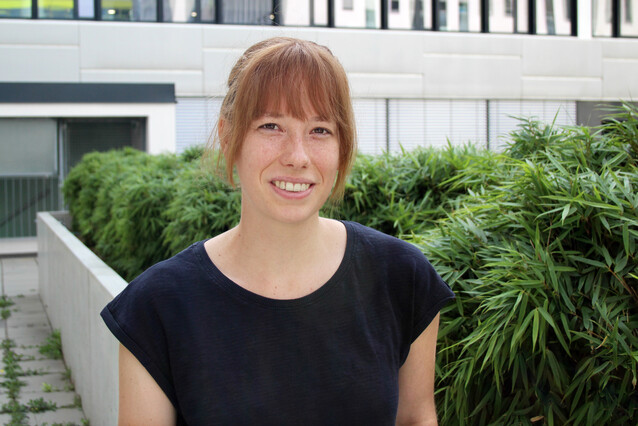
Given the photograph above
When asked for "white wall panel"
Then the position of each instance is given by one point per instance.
(562, 87)
(620, 79)
(379, 85)
(459, 76)
(142, 46)
(26, 32)
(561, 57)
(22, 63)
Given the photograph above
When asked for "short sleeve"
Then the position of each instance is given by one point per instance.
(134, 319)
(430, 294)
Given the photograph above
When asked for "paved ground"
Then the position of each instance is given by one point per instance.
(36, 389)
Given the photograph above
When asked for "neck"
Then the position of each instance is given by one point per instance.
(281, 260)
(277, 241)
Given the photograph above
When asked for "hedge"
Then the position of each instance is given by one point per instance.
(538, 243)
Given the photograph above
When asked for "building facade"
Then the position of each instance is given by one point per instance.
(421, 72)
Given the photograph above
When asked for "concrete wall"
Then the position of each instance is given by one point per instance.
(74, 286)
(381, 63)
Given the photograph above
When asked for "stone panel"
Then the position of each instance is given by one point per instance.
(472, 77)
(130, 46)
(39, 63)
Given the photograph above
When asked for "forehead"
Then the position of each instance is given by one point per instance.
(297, 104)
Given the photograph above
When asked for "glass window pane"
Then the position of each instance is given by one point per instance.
(31, 148)
(358, 14)
(628, 18)
(129, 10)
(410, 15)
(15, 8)
(303, 12)
(509, 16)
(180, 11)
(86, 9)
(460, 15)
(257, 12)
(295, 12)
(56, 9)
(553, 17)
(601, 18)
(208, 11)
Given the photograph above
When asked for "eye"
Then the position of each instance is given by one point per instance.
(269, 126)
(321, 131)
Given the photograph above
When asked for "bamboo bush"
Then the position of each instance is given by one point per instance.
(544, 327)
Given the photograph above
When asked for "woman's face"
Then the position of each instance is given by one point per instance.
(287, 166)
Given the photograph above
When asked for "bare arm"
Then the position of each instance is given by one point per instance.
(416, 380)
(142, 401)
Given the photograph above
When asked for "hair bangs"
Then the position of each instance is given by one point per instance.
(292, 81)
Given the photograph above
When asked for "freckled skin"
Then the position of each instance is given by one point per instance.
(281, 147)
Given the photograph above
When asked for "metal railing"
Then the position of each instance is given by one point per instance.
(21, 197)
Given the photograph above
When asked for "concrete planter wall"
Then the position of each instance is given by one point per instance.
(74, 286)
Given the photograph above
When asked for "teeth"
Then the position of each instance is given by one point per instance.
(292, 187)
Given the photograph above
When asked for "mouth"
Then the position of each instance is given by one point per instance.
(290, 186)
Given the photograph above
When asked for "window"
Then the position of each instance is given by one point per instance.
(553, 17)
(129, 10)
(180, 11)
(601, 18)
(86, 9)
(628, 27)
(411, 15)
(15, 9)
(347, 5)
(509, 16)
(55, 9)
(394, 5)
(459, 15)
(303, 12)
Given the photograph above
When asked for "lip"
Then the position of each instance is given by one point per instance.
(290, 194)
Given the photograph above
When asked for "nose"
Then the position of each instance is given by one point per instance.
(295, 153)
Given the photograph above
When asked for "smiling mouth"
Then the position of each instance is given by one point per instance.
(291, 187)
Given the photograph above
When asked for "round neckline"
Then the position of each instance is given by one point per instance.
(237, 291)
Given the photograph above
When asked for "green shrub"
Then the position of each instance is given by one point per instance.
(544, 267)
(204, 205)
(407, 192)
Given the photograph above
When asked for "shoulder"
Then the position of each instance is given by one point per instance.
(369, 242)
(166, 278)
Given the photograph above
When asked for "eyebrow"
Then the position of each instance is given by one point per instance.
(280, 115)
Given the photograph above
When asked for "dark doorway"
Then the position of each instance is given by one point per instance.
(83, 135)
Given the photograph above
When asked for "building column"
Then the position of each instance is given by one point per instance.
(584, 20)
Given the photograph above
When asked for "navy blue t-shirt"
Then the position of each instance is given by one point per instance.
(226, 356)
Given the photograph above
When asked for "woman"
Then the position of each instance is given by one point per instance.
(288, 318)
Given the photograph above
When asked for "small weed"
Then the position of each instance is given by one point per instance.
(11, 407)
(39, 405)
(5, 302)
(48, 388)
(7, 344)
(52, 346)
